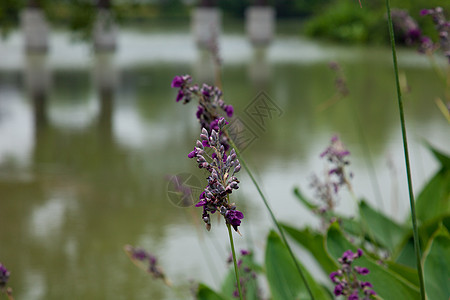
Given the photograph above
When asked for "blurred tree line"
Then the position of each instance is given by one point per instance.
(341, 20)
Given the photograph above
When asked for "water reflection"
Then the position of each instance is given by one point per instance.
(85, 153)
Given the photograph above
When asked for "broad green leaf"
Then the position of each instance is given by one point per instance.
(434, 200)
(304, 200)
(284, 280)
(350, 225)
(386, 283)
(205, 293)
(249, 283)
(443, 158)
(406, 272)
(379, 227)
(437, 266)
(405, 253)
(314, 242)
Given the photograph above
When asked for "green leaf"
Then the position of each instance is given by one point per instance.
(304, 200)
(405, 254)
(386, 283)
(379, 227)
(406, 272)
(205, 293)
(284, 280)
(443, 158)
(437, 266)
(314, 242)
(434, 200)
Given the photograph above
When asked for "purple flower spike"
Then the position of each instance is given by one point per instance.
(229, 110)
(346, 278)
(222, 180)
(4, 275)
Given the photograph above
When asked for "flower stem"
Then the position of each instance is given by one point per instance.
(238, 282)
(405, 148)
(272, 216)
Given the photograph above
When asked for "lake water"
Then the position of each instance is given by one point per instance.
(84, 167)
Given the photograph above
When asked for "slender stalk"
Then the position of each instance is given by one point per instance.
(272, 216)
(234, 261)
(405, 147)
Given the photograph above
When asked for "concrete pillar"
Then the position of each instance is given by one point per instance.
(37, 74)
(35, 29)
(105, 73)
(260, 24)
(259, 69)
(105, 31)
(206, 24)
(37, 84)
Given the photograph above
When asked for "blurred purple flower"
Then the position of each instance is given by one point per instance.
(346, 278)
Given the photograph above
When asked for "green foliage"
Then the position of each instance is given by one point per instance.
(9, 15)
(437, 265)
(205, 293)
(383, 230)
(313, 242)
(347, 22)
(434, 200)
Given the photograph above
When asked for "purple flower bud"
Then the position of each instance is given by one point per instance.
(180, 95)
(199, 112)
(424, 12)
(4, 275)
(237, 168)
(333, 276)
(338, 290)
(229, 110)
(177, 82)
(361, 270)
(192, 154)
(359, 252)
(201, 203)
(353, 296)
(244, 252)
(366, 284)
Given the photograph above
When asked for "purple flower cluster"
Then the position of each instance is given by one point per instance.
(326, 193)
(340, 82)
(246, 272)
(144, 259)
(406, 27)
(221, 181)
(346, 280)
(336, 154)
(4, 275)
(442, 27)
(210, 98)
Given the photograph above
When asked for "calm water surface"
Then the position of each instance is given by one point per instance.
(84, 167)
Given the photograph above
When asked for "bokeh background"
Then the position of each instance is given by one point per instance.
(90, 132)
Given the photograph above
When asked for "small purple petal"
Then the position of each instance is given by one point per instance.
(180, 95)
(201, 203)
(177, 82)
(192, 154)
(361, 270)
